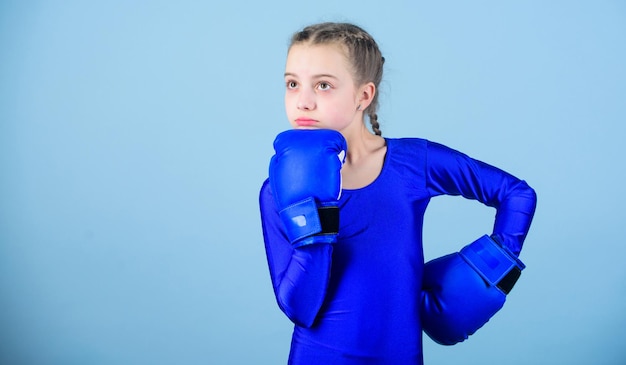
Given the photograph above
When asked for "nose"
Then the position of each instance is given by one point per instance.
(306, 100)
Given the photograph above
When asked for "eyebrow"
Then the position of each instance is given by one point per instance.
(318, 76)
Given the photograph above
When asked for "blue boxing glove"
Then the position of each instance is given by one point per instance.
(463, 290)
(305, 177)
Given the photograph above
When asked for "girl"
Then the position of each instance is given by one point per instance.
(352, 284)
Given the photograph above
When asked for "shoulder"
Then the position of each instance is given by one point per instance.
(417, 155)
(412, 144)
(405, 161)
(426, 150)
(406, 142)
(407, 149)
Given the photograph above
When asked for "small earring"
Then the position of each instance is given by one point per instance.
(358, 107)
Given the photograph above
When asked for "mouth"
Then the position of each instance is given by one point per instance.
(305, 122)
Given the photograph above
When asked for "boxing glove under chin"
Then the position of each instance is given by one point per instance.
(463, 290)
(305, 177)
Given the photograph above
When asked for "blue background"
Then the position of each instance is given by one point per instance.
(134, 137)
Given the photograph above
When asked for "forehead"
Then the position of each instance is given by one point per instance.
(317, 58)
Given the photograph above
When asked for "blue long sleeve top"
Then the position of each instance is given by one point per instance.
(357, 301)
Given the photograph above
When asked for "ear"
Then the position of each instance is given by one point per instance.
(365, 95)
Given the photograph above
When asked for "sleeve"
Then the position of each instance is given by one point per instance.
(299, 275)
(454, 173)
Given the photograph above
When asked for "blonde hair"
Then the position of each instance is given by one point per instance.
(363, 54)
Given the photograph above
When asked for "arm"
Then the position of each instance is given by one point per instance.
(299, 274)
(453, 173)
(463, 290)
(300, 215)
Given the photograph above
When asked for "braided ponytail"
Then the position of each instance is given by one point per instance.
(375, 125)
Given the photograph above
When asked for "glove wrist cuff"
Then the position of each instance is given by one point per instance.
(496, 265)
(306, 223)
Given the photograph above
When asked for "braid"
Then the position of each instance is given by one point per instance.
(375, 125)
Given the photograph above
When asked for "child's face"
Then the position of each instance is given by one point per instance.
(320, 89)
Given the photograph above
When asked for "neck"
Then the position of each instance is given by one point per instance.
(361, 143)
(364, 161)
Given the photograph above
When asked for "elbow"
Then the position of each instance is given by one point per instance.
(297, 303)
(525, 197)
(531, 195)
(299, 315)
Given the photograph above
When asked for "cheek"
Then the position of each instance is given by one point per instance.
(288, 101)
(290, 107)
(291, 98)
(341, 108)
